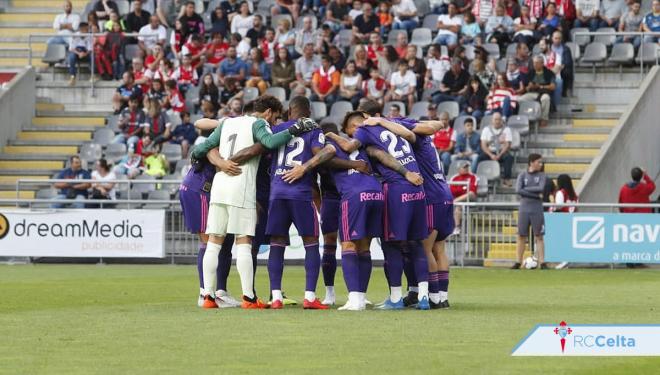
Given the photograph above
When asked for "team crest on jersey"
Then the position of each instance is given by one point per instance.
(321, 138)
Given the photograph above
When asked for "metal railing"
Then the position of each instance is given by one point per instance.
(92, 52)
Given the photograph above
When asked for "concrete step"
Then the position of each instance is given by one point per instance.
(68, 120)
(78, 5)
(79, 94)
(561, 144)
(37, 48)
(53, 151)
(557, 160)
(61, 128)
(587, 115)
(571, 137)
(551, 168)
(31, 164)
(54, 136)
(48, 142)
(59, 110)
(569, 129)
(586, 153)
(25, 31)
(20, 62)
(50, 109)
(11, 194)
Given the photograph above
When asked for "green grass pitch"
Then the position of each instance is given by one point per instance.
(87, 319)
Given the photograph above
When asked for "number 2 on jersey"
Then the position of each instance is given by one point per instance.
(388, 136)
(298, 144)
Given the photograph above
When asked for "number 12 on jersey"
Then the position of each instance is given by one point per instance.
(286, 155)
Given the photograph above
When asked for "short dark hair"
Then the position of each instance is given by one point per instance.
(248, 107)
(636, 174)
(393, 106)
(468, 120)
(265, 102)
(170, 83)
(104, 164)
(83, 24)
(349, 116)
(196, 38)
(533, 157)
(301, 105)
(329, 127)
(134, 98)
(184, 114)
(370, 107)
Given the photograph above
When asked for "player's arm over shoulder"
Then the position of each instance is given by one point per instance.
(212, 141)
(263, 135)
(427, 127)
(346, 145)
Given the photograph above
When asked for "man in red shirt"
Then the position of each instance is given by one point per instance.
(462, 192)
(325, 82)
(215, 53)
(444, 140)
(637, 191)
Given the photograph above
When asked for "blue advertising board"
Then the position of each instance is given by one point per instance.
(607, 238)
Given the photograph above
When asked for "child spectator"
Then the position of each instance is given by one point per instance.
(185, 75)
(130, 165)
(114, 42)
(101, 59)
(184, 134)
(196, 49)
(470, 30)
(156, 91)
(402, 85)
(156, 164)
(174, 100)
(385, 17)
(565, 194)
(375, 86)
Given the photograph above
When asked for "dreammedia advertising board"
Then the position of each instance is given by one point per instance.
(83, 233)
(602, 238)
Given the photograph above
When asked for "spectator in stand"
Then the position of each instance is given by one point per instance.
(137, 19)
(74, 191)
(291, 7)
(417, 66)
(356, 10)
(156, 164)
(152, 62)
(651, 23)
(499, 27)
(401, 45)
(587, 14)
(565, 194)
(232, 67)
(470, 30)
(541, 85)
(103, 8)
(362, 62)
(243, 21)
(525, 27)
(168, 11)
(563, 67)
(258, 31)
(631, 21)
(517, 81)
(231, 90)
(479, 70)
(140, 74)
(454, 84)
(177, 40)
(196, 50)
(405, 15)
(103, 189)
(79, 49)
(130, 164)
(350, 84)
(184, 134)
(234, 109)
(376, 48)
(336, 57)
(219, 22)
(444, 140)
(431, 113)
(230, 8)
(551, 22)
(158, 124)
(385, 18)
(437, 65)
(468, 144)
(482, 10)
(501, 98)
(65, 24)
(145, 146)
(336, 15)
(258, 72)
(512, 8)
(185, 75)
(209, 95)
(166, 71)
(495, 145)
(365, 24)
(191, 22)
(475, 99)
(130, 122)
(285, 37)
(152, 34)
(124, 92)
(637, 191)
(241, 44)
(174, 101)
(386, 64)
(394, 111)
(269, 46)
(325, 82)
(306, 35)
(114, 42)
(611, 12)
(215, 53)
(462, 192)
(523, 59)
(156, 91)
(283, 71)
(102, 61)
(402, 85)
(374, 87)
(306, 65)
(114, 18)
(449, 26)
(529, 187)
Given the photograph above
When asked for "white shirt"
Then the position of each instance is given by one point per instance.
(495, 137)
(457, 20)
(151, 41)
(63, 18)
(112, 194)
(354, 13)
(405, 6)
(241, 25)
(438, 67)
(243, 49)
(588, 7)
(402, 84)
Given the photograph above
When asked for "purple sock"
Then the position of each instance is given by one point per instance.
(394, 266)
(329, 264)
(312, 266)
(419, 261)
(351, 267)
(276, 266)
(200, 261)
(224, 262)
(364, 262)
(409, 267)
(434, 282)
(443, 277)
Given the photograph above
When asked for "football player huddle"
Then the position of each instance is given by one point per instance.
(379, 178)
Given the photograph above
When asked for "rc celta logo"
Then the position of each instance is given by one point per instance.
(563, 330)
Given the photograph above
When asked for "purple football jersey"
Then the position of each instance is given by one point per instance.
(394, 145)
(435, 182)
(297, 151)
(349, 181)
(196, 181)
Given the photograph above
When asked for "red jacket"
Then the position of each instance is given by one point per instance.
(634, 192)
(458, 190)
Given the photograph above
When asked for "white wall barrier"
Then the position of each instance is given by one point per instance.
(104, 233)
